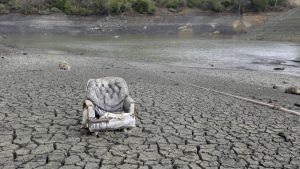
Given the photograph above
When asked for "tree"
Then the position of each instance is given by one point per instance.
(260, 5)
(241, 8)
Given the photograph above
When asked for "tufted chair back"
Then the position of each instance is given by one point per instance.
(107, 93)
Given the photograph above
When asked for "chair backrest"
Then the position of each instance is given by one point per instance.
(107, 93)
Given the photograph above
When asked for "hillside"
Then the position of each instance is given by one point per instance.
(285, 27)
(116, 7)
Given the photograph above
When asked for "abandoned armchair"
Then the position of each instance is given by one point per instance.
(108, 105)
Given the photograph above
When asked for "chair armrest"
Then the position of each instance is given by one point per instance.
(90, 108)
(101, 120)
(129, 105)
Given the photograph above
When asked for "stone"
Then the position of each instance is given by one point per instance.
(293, 90)
(297, 104)
(64, 66)
(216, 32)
(55, 10)
(172, 10)
(285, 136)
(279, 68)
(296, 60)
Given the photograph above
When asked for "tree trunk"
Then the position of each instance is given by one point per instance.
(241, 8)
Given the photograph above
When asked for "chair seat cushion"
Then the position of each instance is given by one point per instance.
(107, 93)
(127, 121)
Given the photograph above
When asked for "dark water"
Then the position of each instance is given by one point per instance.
(193, 52)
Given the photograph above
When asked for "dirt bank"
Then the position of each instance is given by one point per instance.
(204, 23)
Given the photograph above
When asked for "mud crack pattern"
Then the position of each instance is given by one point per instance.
(178, 126)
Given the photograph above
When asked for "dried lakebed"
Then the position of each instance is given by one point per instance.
(178, 127)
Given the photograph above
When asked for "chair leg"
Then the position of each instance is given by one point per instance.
(127, 130)
(85, 131)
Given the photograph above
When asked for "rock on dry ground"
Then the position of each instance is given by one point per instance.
(178, 126)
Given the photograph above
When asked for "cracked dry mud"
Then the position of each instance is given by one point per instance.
(178, 126)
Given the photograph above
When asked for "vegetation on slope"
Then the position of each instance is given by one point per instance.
(104, 7)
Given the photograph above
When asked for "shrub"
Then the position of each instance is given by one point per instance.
(144, 6)
(216, 6)
(29, 10)
(277, 2)
(99, 7)
(60, 4)
(3, 9)
(195, 3)
(228, 3)
(117, 6)
(260, 5)
(55, 10)
(172, 3)
(15, 4)
(73, 8)
(213, 5)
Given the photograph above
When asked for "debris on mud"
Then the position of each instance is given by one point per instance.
(286, 137)
(279, 68)
(293, 90)
(296, 60)
(64, 66)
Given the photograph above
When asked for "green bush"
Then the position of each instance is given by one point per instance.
(228, 3)
(260, 5)
(29, 10)
(73, 8)
(15, 4)
(277, 2)
(172, 3)
(117, 6)
(55, 10)
(98, 7)
(144, 6)
(59, 4)
(196, 3)
(215, 5)
(3, 9)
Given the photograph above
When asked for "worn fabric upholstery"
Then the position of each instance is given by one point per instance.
(108, 93)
